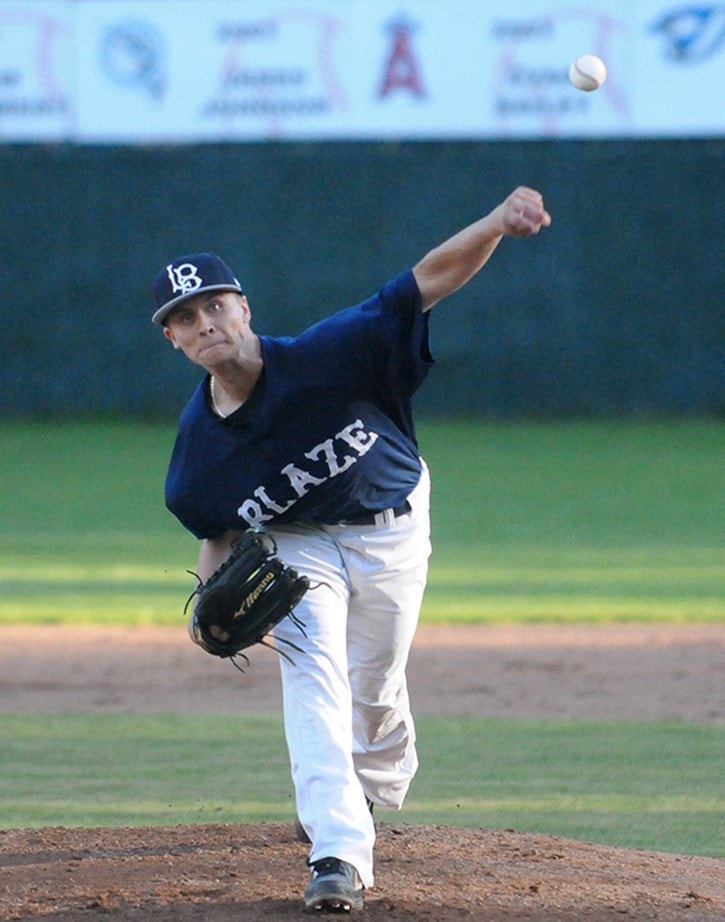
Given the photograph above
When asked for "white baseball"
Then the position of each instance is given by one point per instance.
(587, 73)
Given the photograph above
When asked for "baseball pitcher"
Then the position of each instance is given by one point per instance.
(303, 449)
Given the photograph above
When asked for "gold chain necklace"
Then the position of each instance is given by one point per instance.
(213, 400)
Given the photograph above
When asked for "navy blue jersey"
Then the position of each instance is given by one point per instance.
(327, 433)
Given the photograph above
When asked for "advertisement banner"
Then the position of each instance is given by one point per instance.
(37, 90)
(678, 68)
(345, 70)
(164, 71)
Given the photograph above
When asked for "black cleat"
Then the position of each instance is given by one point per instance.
(335, 887)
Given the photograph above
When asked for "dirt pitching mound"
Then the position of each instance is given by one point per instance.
(250, 873)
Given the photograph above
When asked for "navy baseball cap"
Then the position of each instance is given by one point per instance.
(189, 276)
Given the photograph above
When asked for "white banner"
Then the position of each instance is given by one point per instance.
(125, 71)
(37, 90)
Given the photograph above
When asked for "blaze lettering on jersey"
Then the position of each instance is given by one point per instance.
(263, 508)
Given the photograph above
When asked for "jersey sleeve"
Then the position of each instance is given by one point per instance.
(381, 344)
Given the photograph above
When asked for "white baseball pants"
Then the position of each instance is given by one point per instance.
(348, 724)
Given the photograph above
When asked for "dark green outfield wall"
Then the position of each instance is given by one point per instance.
(617, 309)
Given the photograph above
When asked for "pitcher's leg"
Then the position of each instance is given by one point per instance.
(388, 581)
(379, 639)
(318, 708)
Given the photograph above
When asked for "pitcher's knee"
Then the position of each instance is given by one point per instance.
(374, 724)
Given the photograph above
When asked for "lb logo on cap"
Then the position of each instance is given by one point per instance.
(183, 277)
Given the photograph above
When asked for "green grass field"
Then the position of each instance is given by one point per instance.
(554, 522)
(639, 785)
(562, 521)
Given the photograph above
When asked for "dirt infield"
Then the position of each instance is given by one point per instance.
(246, 873)
(626, 671)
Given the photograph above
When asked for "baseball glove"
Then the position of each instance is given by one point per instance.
(245, 598)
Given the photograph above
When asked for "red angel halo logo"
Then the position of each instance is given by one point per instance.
(402, 68)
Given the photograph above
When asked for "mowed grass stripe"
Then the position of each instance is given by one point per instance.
(643, 785)
(587, 520)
